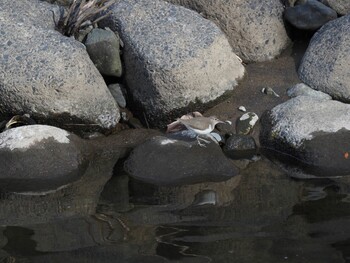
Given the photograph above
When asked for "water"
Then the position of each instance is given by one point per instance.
(260, 216)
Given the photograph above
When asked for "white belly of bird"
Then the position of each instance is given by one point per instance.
(206, 131)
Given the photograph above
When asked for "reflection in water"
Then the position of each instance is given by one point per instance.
(260, 216)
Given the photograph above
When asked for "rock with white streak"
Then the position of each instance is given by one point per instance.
(165, 161)
(39, 157)
(246, 123)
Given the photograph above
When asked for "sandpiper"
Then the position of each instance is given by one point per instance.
(201, 126)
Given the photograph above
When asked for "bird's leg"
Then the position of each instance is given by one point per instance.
(199, 139)
(211, 137)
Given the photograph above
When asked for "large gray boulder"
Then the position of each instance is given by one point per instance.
(341, 6)
(254, 28)
(165, 161)
(173, 57)
(46, 74)
(309, 16)
(39, 158)
(326, 63)
(310, 135)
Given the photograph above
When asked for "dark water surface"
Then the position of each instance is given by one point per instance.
(261, 215)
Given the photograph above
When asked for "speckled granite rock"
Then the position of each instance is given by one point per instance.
(302, 89)
(47, 75)
(341, 6)
(326, 63)
(309, 135)
(173, 57)
(254, 28)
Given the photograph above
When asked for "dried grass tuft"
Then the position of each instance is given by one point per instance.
(82, 13)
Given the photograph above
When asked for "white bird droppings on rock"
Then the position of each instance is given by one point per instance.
(167, 141)
(25, 136)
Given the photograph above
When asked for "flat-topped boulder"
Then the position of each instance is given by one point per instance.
(326, 63)
(166, 161)
(255, 28)
(173, 57)
(46, 74)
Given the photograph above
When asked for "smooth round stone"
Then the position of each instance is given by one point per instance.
(240, 147)
(39, 158)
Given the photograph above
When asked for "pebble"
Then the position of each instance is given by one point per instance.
(246, 123)
(242, 108)
(269, 91)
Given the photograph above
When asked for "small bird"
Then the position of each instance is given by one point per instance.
(201, 126)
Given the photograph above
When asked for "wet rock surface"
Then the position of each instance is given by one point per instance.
(164, 161)
(39, 158)
(260, 22)
(173, 58)
(309, 16)
(305, 132)
(326, 63)
(47, 75)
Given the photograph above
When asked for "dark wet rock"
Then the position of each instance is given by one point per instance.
(302, 89)
(309, 16)
(342, 7)
(326, 63)
(39, 157)
(117, 94)
(103, 48)
(173, 57)
(164, 161)
(311, 137)
(225, 128)
(46, 74)
(246, 123)
(254, 28)
(123, 142)
(77, 198)
(240, 147)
